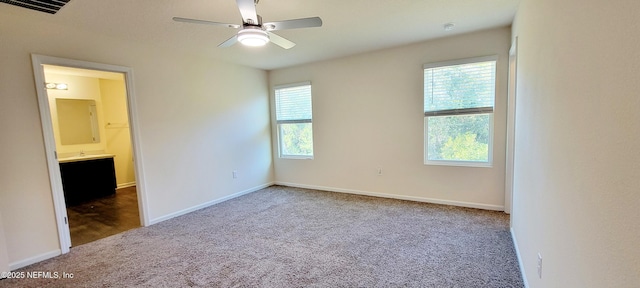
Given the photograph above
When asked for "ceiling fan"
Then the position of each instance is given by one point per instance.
(253, 31)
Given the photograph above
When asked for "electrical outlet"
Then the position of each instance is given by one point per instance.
(539, 266)
(235, 174)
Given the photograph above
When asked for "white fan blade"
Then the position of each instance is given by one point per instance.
(281, 41)
(293, 24)
(229, 42)
(248, 11)
(196, 21)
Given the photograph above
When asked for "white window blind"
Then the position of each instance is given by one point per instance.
(293, 104)
(467, 88)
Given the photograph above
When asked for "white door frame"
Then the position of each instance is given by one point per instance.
(50, 143)
(511, 126)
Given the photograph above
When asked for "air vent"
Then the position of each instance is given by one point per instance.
(47, 6)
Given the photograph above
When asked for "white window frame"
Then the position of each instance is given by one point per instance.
(489, 162)
(278, 123)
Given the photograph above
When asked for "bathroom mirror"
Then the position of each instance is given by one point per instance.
(77, 121)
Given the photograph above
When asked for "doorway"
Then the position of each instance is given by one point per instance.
(93, 159)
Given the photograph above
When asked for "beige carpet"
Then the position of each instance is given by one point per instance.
(288, 237)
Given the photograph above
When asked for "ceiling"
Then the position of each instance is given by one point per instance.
(349, 26)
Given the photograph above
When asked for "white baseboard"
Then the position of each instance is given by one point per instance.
(34, 259)
(515, 244)
(125, 185)
(207, 204)
(394, 196)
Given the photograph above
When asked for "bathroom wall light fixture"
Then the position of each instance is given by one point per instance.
(56, 86)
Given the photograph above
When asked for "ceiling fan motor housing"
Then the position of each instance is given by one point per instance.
(250, 22)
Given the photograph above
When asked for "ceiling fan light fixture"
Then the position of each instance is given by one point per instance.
(253, 37)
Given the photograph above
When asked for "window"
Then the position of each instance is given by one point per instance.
(293, 118)
(459, 98)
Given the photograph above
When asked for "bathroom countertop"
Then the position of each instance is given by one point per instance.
(85, 158)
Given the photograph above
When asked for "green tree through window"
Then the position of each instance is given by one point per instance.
(297, 139)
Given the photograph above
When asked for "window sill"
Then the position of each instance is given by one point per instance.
(459, 163)
(296, 157)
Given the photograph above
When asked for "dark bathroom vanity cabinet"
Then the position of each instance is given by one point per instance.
(87, 178)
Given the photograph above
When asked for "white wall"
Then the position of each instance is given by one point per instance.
(4, 256)
(198, 118)
(117, 134)
(368, 113)
(577, 171)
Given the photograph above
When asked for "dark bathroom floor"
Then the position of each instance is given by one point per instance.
(104, 217)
